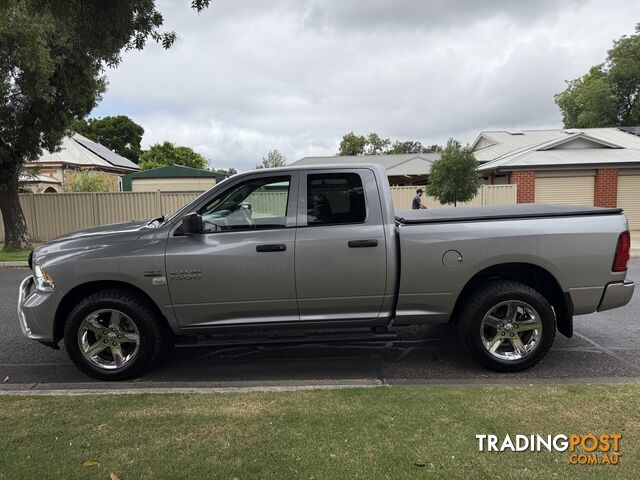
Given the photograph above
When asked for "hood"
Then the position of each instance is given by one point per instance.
(86, 242)
(126, 227)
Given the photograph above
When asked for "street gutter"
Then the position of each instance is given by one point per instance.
(133, 388)
(16, 264)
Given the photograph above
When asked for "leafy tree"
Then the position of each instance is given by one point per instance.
(453, 178)
(89, 181)
(232, 171)
(373, 144)
(411, 146)
(163, 154)
(406, 147)
(352, 144)
(119, 133)
(609, 95)
(376, 145)
(52, 58)
(274, 159)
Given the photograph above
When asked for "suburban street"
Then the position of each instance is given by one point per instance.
(605, 347)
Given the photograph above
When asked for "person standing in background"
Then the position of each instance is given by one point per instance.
(417, 201)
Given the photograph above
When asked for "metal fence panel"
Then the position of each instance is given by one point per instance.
(500, 194)
(173, 201)
(487, 195)
(57, 214)
(126, 206)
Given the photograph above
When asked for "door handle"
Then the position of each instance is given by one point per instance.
(362, 243)
(271, 247)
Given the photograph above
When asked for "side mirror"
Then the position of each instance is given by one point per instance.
(192, 224)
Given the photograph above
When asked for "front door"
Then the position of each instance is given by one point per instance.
(240, 269)
(341, 262)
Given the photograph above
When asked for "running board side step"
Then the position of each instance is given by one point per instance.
(213, 341)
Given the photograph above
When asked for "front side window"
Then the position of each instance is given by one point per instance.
(334, 198)
(255, 204)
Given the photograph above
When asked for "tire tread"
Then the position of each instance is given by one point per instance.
(156, 340)
(469, 322)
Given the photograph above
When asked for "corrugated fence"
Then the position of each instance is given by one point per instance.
(50, 215)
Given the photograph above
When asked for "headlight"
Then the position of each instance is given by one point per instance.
(44, 283)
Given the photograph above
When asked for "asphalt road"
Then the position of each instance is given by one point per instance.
(605, 347)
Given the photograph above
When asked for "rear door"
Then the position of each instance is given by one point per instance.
(341, 261)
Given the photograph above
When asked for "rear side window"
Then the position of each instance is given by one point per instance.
(334, 198)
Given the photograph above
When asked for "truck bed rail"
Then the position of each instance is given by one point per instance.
(499, 212)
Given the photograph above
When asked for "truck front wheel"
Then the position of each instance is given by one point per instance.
(113, 334)
(507, 326)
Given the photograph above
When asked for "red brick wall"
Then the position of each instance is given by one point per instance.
(526, 182)
(606, 188)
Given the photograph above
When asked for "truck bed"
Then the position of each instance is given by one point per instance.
(499, 212)
(575, 245)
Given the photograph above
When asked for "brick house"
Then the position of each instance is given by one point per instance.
(591, 166)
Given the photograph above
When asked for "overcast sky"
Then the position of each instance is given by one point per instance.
(247, 76)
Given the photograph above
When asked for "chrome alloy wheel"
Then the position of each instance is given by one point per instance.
(108, 339)
(511, 330)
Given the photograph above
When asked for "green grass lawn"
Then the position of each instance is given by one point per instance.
(371, 433)
(13, 255)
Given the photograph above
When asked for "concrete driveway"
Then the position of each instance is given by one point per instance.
(605, 348)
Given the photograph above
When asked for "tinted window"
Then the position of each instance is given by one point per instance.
(254, 204)
(334, 198)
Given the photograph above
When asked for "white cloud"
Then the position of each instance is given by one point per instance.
(246, 77)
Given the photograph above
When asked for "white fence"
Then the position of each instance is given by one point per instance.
(50, 215)
(487, 195)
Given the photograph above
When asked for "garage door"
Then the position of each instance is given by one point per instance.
(629, 199)
(566, 190)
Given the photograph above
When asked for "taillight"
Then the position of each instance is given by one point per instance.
(622, 252)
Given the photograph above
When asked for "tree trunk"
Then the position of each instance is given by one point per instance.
(16, 235)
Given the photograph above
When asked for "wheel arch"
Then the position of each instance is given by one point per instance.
(528, 274)
(74, 295)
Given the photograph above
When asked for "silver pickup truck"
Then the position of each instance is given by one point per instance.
(320, 249)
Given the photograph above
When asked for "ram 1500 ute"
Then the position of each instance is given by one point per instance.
(321, 248)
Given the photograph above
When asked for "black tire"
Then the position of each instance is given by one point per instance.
(153, 334)
(481, 301)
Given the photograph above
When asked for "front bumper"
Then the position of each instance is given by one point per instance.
(36, 312)
(616, 295)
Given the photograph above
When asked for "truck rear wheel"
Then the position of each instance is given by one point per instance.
(114, 335)
(507, 326)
